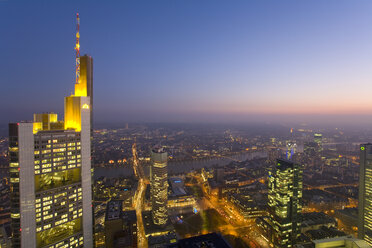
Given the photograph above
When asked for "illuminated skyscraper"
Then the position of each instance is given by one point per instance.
(159, 186)
(285, 193)
(50, 176)
(85, 87)
(365, 194)
(318, 138)
(291, 149)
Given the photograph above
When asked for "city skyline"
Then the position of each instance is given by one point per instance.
(159, 157)
(193, 61)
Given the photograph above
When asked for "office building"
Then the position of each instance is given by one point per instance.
(284, 200)
(291, 149)
(340, 242)
(159, 186)
(318, 138)
(365, 194)
(120, 226)
(50, 174)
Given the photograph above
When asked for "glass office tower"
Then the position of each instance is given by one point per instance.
(159, 186)
(365, 194)
(285, 194)
(50, 177)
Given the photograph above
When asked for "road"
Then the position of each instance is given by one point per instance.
(236, 224)
(138, 198)
(138, 204)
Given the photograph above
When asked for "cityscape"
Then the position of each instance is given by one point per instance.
(286, 175)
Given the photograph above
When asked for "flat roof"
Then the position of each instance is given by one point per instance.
(113, 210)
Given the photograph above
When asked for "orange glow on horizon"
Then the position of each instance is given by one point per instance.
(349, 109)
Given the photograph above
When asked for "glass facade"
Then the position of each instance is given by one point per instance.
(57, 193)
(284, 200)
(365, 194)
(159, 186)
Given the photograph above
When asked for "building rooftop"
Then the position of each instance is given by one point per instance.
(324, 233)
(211, 240)
(154, 230)
(177, 186)
(113, 210)
(163, 240)
(311, 219)
(284, 163)
(129, 216)
(340, 242)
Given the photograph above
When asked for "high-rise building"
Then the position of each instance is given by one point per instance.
(291, 149)
(159, 186)
(285, 194)
(85, 87)
(318, 138)
(50, 176)
(365, 194)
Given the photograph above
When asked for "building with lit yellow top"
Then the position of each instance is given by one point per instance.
(50, 174)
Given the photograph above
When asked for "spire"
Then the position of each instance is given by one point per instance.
(77, 48)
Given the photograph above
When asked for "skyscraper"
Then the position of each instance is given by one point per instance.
(159, 186)
(85, 87)
(318, 138)
(50, 176)
(365, 194)
(285, 194)
(291, 149)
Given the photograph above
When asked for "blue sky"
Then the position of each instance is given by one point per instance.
(191, 60)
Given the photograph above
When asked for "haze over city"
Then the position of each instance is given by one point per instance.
(180, 124)
(192, 61)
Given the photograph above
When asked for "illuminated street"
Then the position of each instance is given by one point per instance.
(138, 203)
(139, 198)
(235, 225)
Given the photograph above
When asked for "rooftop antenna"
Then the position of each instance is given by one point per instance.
(77, 48)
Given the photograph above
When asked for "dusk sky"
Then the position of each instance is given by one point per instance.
(191, 60)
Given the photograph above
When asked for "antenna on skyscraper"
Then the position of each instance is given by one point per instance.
(77, 48)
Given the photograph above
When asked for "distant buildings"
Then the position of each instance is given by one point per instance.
(159, 186)
(291, 148)
(365, 194)
(284, 200)
(318, 138)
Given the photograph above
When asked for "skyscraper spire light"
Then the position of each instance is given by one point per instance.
(77, 48)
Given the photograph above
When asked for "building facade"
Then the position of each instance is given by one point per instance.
(86, 82)
(159, 186)
(365, 194)
(50, 177)
(284, 201)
